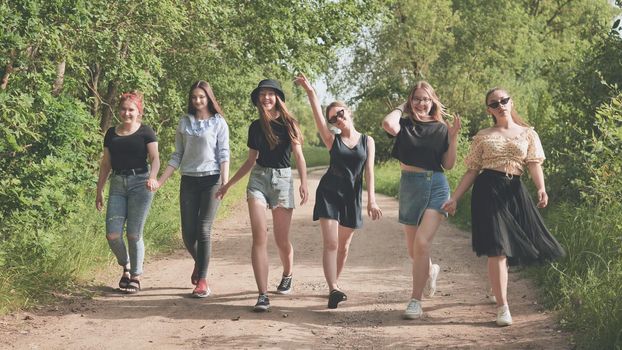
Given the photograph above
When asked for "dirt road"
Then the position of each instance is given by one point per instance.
(377, 279)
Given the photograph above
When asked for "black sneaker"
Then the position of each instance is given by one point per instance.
(263, 303)
(285, 287)
(335, 297)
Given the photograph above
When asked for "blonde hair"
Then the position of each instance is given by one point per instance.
(436, 112)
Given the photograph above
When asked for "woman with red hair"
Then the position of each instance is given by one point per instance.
(127, 147)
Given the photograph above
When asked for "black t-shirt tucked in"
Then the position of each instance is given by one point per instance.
(129, 152)
(279, 157)
(421, 144)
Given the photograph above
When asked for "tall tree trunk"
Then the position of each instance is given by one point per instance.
(108, 111)
(4, 83)
(5, 77)
(93, 85)
(60, 78)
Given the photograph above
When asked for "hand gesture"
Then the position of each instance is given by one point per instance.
(450, 206)
(303, 82)
(374, 211)
(454, 129)
(304, 194)
(543, 198)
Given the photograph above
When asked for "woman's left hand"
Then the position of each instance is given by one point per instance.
(543, 198)
(374, 211)
(304, 194)
(454, 129)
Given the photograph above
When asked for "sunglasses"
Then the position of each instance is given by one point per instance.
(496, 104)
(339, 114)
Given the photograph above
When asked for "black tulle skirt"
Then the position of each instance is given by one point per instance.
(505, 221)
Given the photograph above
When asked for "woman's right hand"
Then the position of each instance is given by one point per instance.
(450, 206)
(303, 82)
(99, 201)
(222, 191)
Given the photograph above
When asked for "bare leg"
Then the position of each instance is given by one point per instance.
(329, 229)
(345, 238)
(498, 275)
(281, 220)
(259, 251)
(421, 247)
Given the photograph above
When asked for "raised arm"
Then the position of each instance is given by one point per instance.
(320, 121)
(373, 210)
(391, 122)
(244, 169)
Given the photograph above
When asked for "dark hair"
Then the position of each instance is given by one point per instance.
(293, 130)
(212, 104)
(515, 117)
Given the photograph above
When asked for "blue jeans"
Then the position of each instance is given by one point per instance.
(128, 205)
(198, 207)
(421, 191)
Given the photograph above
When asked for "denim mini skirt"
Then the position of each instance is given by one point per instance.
(420, 191)
(273, 186)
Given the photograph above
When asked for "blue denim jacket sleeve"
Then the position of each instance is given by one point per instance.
(222, 152)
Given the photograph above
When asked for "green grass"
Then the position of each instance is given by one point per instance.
(314, 156)
(66, 255)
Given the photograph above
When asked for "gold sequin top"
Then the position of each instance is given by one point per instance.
(508, 153)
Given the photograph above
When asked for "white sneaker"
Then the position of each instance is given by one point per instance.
(430, 284)
(413, 310)
(503, 316)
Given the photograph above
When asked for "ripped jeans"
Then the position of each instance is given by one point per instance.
(129, 201)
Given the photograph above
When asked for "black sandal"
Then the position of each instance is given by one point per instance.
(133, 287)
(335, 297)
(125, 280)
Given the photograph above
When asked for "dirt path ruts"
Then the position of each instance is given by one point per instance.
(376, 278)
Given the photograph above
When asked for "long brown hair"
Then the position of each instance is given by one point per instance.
(212, 105)
(293, 130)
(515, 117)
(436, 112)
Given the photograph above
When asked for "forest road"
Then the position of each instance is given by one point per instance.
(377, 280)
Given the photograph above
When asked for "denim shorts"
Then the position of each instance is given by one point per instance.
(421, 191)
(274, 187)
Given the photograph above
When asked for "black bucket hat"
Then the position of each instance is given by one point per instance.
(268, 84)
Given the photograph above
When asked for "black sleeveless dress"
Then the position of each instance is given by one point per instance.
(339, 194)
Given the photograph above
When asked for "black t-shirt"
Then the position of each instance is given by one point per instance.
(279, 157)
(421, 144)
(129, 152)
